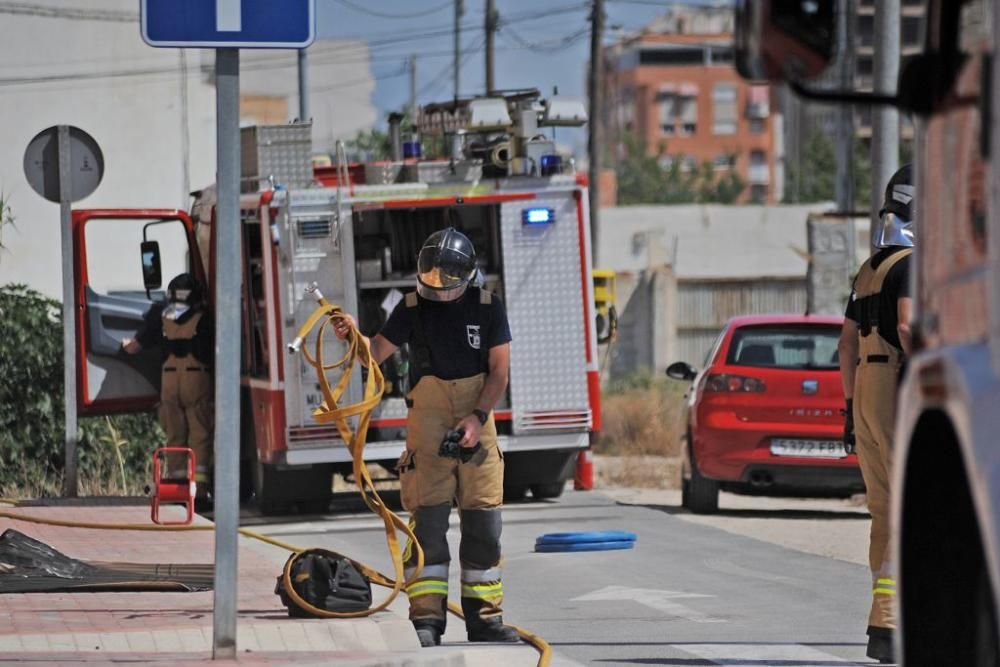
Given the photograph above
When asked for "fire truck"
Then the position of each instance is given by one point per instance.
(354, 230)
(946, 490)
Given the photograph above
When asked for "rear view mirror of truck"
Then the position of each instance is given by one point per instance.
(784, 40)
(152, 275)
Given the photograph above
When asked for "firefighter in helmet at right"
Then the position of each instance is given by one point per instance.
(186, 333)
(873, 346)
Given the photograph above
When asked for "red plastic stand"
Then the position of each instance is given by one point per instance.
(173, 491)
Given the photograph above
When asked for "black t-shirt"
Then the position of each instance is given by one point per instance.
(202, 345)
(455, 331)
(895, 287)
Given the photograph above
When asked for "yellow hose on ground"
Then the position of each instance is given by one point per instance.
(328, 315)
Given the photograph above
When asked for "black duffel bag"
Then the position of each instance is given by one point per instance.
(323, 581)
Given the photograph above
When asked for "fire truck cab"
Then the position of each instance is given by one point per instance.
(355, 230)
(946, 488)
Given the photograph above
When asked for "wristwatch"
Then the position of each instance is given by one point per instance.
(481, 415)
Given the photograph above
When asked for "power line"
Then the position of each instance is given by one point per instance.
(439, 78)
(382, 15)
(547, 46)
(45, 11)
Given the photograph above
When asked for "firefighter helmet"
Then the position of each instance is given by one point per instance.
(446, 265)
(184, 289)
(895, 226)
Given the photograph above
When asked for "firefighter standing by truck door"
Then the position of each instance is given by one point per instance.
(187, 401)
(459, 342)
(873, 345)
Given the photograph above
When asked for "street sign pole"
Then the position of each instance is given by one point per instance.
(69, 309)
(227, 349)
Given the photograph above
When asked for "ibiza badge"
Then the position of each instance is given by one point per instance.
(472, 333)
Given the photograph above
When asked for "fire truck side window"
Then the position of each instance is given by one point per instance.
(255, 304)
(113, 262)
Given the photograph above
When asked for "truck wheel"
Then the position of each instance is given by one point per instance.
(546, 491)
(700, 494)
(279, 490)
(514, 492)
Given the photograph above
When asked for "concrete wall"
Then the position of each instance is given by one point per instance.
(151, 110)
(683, 271)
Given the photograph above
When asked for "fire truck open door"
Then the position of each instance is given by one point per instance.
(116, 254)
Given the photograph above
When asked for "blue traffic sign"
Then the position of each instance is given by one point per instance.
(211, 24)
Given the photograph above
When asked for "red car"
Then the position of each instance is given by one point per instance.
(764, 414)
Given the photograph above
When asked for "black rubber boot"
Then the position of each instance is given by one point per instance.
(880, 644)
(429, 633)
(492, 630)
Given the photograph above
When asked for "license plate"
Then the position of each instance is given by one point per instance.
(825, 449)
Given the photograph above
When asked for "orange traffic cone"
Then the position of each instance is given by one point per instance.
(584, 479)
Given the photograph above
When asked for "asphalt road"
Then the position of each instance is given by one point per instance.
(689, 593)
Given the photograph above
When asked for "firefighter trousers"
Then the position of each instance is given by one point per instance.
(187, 410)
(875, 389)
(431, 483)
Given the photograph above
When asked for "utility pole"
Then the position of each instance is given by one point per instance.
(594, 126)
(885, 119)
(303, 86)
(491, 25)
(459, 10)
(413, 89)
(844, 132)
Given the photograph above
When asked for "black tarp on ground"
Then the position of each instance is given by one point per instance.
(30, 566)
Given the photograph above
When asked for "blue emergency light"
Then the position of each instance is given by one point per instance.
(538, 216)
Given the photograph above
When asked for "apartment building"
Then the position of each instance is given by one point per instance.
(673, 88)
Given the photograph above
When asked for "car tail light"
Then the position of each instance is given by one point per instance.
(721, 382)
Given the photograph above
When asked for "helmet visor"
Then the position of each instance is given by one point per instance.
(444, 268)
(894, 230)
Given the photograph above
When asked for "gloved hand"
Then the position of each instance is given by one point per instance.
(848, 412)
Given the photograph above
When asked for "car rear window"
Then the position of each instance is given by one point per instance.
(785, 346)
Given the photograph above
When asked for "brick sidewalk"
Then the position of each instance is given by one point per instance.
(169, 626)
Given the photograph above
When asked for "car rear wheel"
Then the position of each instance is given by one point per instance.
(700, 494)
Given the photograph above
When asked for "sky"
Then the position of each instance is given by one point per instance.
(541, 43)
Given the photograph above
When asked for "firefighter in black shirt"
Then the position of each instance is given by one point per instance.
(873, 345)
(187, 399)
(459, 342)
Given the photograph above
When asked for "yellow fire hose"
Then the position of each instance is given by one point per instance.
(330, 411)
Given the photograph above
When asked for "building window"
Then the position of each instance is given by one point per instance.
(687, 114)
(759, 172)
(913, 31)
(724, 162)
(721, 55)
(724, 113)
(757, 126)
(684, 55)
(866, 31)
(668, 111)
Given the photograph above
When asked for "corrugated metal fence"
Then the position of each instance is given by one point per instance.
(703, 306)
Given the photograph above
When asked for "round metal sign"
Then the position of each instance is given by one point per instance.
(41, 164)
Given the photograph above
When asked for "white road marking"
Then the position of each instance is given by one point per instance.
(786, 655)
(228, 15)
(655, 599)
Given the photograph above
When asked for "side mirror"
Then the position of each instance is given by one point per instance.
(681, 370)
(784, 40)
(152, 277)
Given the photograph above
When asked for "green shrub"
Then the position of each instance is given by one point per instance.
(114, 453)
(642, 415)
